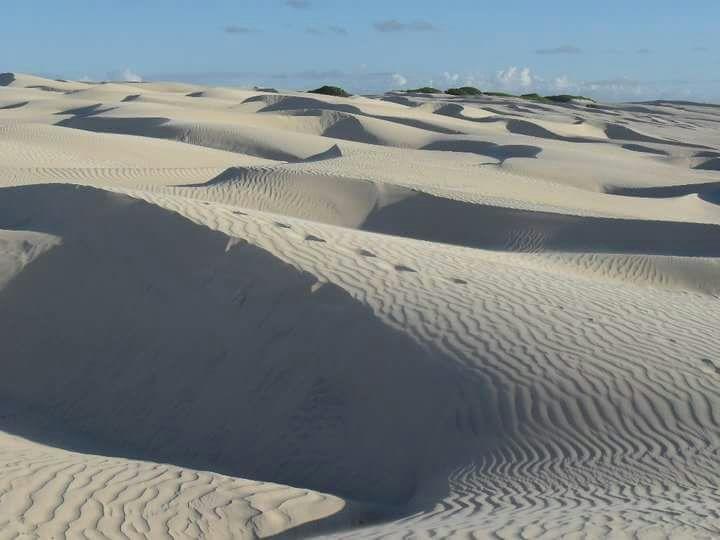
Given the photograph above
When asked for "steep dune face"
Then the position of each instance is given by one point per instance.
(431, 316)
(290, 378)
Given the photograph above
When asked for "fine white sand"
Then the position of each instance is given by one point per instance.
(431, 316)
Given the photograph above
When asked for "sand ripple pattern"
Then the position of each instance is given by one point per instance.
(565, 411)
(46, 493)
(585, 383)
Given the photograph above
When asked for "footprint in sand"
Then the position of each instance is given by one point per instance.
(403, 268)
(366, 253)
(459, 281)
(282, 225)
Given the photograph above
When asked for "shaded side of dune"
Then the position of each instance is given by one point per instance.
(710, 165)
(6, 79)
(144, 335)
(619, 132)
(164, 128)
(707, 191)
(437, 219)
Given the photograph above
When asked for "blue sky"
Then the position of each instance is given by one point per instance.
(612, 49)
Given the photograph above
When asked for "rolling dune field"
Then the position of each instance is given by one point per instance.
(231, 313)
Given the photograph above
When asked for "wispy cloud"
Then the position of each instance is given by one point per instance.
(562, 49)
(299, 4)
(644, 51)
(393, 25)
(327, 30)
(234, 29)
(339, 30)
(700, 49)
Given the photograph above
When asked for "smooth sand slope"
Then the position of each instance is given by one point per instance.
(432, 317)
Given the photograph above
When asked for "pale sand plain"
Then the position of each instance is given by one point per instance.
(431, 316)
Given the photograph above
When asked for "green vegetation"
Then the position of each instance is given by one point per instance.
(498, 94)
(464, 91)
(566, 98)
(424, 90)
(330, 91)
(562, 98)
(472, 91)
(533, 97)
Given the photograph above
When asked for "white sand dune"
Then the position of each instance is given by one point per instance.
(433, 317)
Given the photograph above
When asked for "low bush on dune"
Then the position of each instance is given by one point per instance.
(533, 97)
(471, 91)
(562, 98)
(331, 91)
(424, 90)
(498, 94)
(566, 98)
(464, 91)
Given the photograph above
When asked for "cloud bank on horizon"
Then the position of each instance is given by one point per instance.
(649, 50)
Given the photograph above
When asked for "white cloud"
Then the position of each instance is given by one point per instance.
(126, 75)
(562, 83)
(451, 77)
(514, 78)
(399, 80)
(621, 87)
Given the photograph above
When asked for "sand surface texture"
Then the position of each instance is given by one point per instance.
(431, 316)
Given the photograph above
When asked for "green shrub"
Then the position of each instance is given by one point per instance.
(331, 91)
(533, 97)
(498, 94)
(424, 90)
(464, 91)
(566, 98)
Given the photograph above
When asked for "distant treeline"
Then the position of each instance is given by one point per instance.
(462, 91)
(472, 91)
